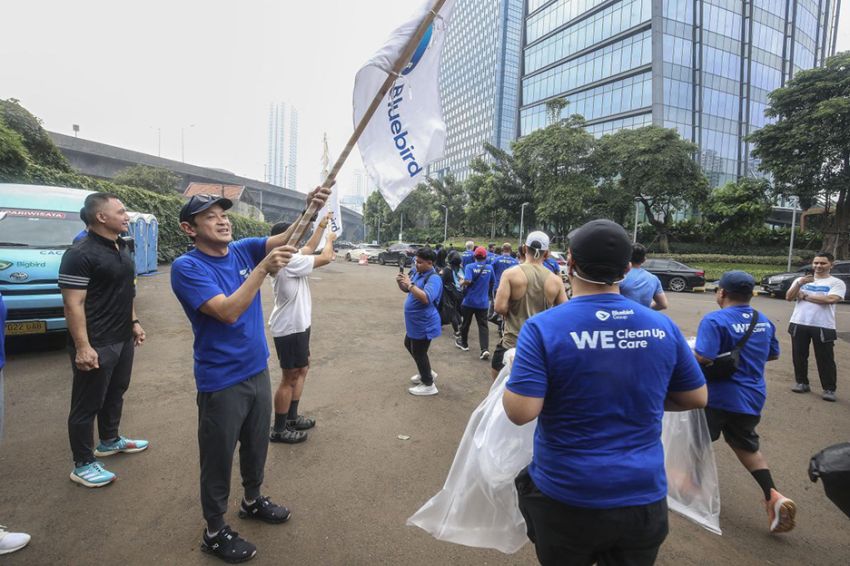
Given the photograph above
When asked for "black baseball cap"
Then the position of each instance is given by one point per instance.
(739, 282)
(200, 203)
(602, 250)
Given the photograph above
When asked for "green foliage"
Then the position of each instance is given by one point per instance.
(807, 147)
(656, 167)
(713, 271)
(13, 154)
(41, 148)
(737, 209)
(153, 179)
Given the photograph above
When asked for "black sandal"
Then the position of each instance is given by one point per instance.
(301, 423)
(288, 436)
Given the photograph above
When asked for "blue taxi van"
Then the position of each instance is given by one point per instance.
(37, 225)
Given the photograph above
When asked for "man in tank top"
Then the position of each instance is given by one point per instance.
(524, 291)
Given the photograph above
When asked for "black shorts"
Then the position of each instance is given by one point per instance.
(293, 350)
(739, 429)
(498, 360)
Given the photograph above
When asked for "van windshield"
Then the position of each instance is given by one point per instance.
(38, 228)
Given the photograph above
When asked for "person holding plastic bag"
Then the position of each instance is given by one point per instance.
(598, 372)
(735, 400)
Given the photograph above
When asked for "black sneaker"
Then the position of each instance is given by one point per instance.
(264, 510)
(301, 423)
(288, 436)
(228, 546)
(461, 345)
(801, 388)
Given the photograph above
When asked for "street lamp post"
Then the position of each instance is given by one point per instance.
(401, 228)
(446, 225)
(522, 220)
(794, 204)
(637, 205)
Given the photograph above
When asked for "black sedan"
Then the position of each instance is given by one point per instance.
(779, 283)
(399, 254)
(675, 276)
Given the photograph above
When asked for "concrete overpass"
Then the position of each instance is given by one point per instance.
(105, 161)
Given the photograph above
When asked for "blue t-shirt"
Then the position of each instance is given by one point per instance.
(640, 286)
(2, 334)
(466, 258)
(718, 333)
(552, 265)
(477, 294)
(421, 321)
(225, 354)
(603, 366)
(500, 264)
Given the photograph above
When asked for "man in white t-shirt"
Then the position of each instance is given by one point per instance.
(813, 320)
(290, 326)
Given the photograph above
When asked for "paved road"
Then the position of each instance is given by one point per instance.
(353, 484)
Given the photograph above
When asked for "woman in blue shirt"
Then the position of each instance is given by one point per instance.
(422, 318)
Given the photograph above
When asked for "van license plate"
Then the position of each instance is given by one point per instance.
(29, 327)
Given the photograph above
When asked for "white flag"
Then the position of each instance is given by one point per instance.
(332, 204)
(407, 132)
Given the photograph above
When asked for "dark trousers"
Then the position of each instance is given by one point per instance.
(98, 393)
(824, 341)
(483, 332)
(241, 413)
(564, 535)
(419, 350)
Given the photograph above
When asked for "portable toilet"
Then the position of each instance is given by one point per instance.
(140, 230)
(153, 244)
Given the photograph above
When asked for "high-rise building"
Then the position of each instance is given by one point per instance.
(479, 81)
(703, 67)
(282, 165)
(363, 185)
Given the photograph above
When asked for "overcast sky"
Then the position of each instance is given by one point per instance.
(126, 71)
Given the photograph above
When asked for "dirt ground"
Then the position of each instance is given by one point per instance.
(352, 485)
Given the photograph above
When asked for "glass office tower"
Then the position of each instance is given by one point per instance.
(703, 67)
(479, 81)
(282, 164)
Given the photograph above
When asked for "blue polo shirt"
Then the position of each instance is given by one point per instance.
(603, 366)
(500, 264)
(640, 286)
(477, 295)
(552, 265)
(225, 354)
(718, 333)
(421, 321)
(466, 258)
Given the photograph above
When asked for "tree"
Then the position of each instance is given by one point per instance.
(807, 147)
(13, 155)
(556, 163)
(377, 217)
(738, 208)
(154, 179)
(448, 192)
(41, 148)
(654, 166)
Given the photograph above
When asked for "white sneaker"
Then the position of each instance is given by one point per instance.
(416, 380)
(423, 390)
(484, 355)
(10, 542)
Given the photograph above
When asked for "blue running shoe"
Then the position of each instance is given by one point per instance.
(121, 445)
(92, 475)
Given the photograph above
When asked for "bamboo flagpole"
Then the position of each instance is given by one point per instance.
(400, 64)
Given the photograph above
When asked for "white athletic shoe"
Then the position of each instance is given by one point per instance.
(10, 542)
(422, 390)
(484, 355)
(416, 380)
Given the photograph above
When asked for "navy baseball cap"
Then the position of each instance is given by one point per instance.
(200, 203)
(739, 282)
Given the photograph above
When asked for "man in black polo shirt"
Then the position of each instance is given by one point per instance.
(96, 278)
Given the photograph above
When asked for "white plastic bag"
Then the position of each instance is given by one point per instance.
(692, 487)
(478, 503)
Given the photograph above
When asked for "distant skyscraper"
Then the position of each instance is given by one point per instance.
(479, 80)
(363, 185)
(703, 67)
(282, 167)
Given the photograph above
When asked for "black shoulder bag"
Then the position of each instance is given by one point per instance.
(725, 365)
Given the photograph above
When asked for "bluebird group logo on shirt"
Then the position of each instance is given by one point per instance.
(603, 315)
(245, 273)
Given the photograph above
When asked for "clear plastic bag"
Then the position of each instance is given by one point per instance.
(478, 503)
(692, 487)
